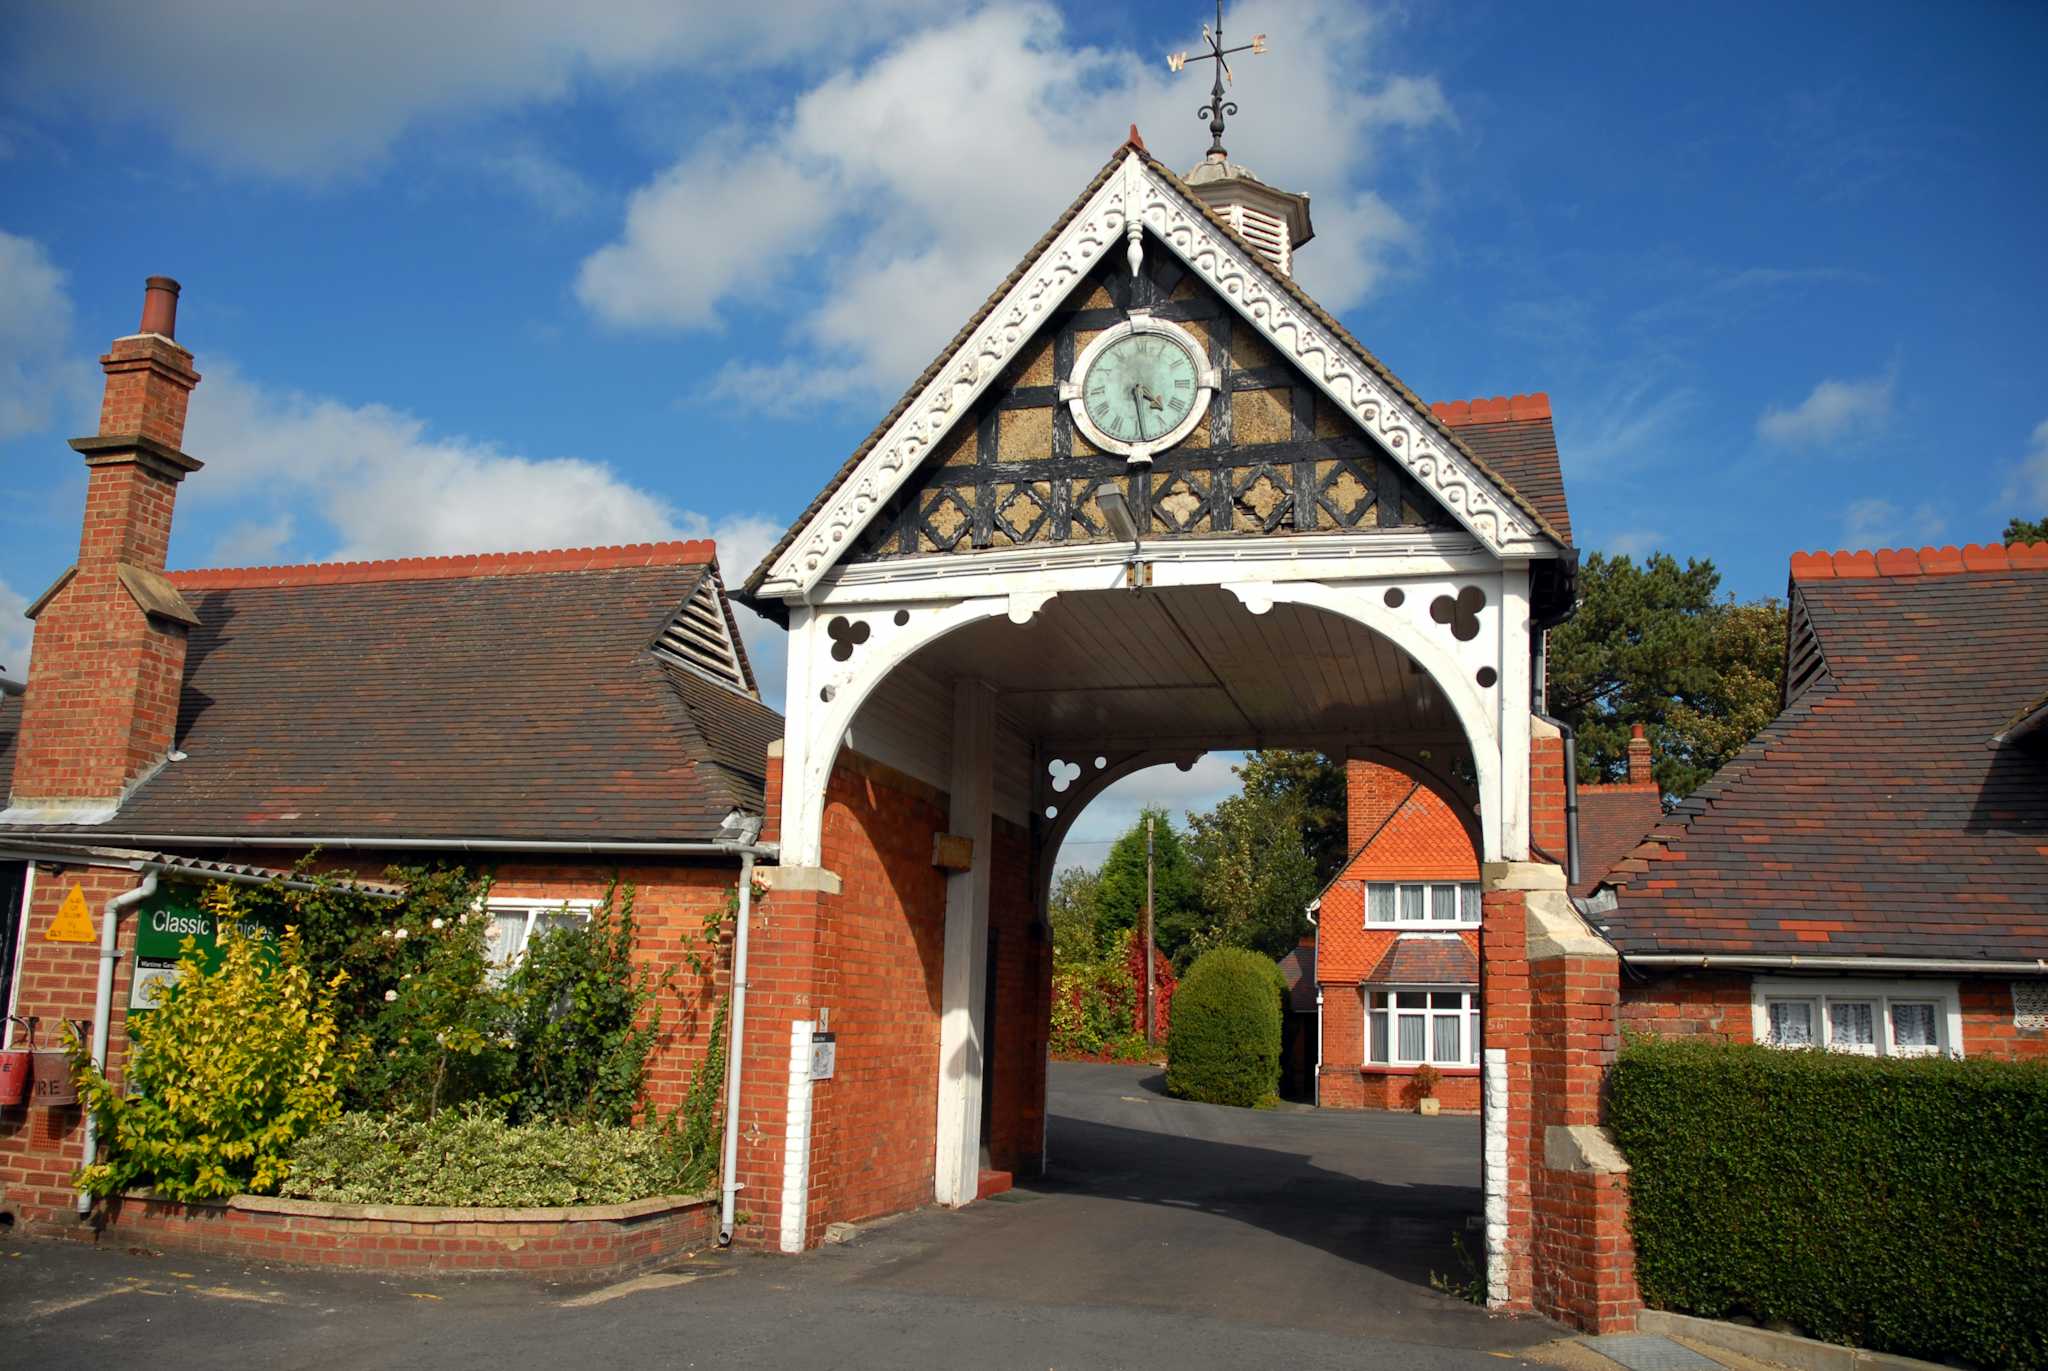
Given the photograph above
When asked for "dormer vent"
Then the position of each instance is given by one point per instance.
(700, 637)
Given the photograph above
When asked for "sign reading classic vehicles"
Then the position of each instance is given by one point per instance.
(170, 917)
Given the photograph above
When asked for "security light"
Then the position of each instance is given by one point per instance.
(1118, 513)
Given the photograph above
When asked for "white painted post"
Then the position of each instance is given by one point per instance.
(796, 1138)
(957, 1175)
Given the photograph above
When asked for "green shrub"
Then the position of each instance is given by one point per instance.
(1893, 1204)
(581, 1018)
(470, 1156)
(1223, 1044)
(225, 1077)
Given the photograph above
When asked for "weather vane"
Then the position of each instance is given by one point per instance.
(1220, 55)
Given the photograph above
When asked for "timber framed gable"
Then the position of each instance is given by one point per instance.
(1135, 204)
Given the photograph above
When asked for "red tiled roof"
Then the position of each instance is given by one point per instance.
(1875, 816)
(1513, 435)
(1612, 820)
(504, 697)
(1426, 960)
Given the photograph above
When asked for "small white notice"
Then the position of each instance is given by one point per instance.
(824, 1056)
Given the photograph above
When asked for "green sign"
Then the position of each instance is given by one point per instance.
(162, 925)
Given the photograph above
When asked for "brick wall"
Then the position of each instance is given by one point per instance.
(41, 1149)
(1688, 1004)
(1548, 831)
(589, 1243)
(1694, 1003)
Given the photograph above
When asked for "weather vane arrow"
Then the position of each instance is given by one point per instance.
(1217, 107)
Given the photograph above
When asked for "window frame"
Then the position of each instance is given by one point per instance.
(1468, 1013)
(1824, 993)
(534, 908)
(1468, 899)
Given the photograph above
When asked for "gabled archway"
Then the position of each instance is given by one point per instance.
(983, 592)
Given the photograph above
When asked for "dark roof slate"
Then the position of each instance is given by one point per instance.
(1874, 817)
(1426, 960)
(1612, 820)
(1515, 437)
(1299, 969)
(452, 702)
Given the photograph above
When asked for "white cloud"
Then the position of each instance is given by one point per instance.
(1112, 813)
(376, 482)
(1834, 410)
(2029, 484)
(913, 183)
(1635, 542)
(38, 376)
(15, 633)
(1876, 522)
(308, 92)
(1627, 423)
(549, 184)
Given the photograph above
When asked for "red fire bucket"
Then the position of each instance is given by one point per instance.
(14, 1075)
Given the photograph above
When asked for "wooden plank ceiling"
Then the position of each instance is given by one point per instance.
(1193, 666)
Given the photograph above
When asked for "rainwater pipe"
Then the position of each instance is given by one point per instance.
(103, 1001)
(728, 1170)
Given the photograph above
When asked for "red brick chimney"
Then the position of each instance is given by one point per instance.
(1372, 792)
(109, 658)
(1641, 766)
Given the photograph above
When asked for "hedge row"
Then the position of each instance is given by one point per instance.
(1899, 1205)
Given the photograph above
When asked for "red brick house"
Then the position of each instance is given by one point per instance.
(1397, 948)
(1871, 873)
(556, 718)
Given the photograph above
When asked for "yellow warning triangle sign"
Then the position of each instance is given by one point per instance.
(73, 923)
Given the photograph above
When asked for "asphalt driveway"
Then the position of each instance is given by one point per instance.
(1168, 1234)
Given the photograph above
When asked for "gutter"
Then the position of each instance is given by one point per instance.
(692, 849)
(1767, 961)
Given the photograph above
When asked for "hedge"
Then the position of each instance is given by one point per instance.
(470, 1156)
(1894, 1204)
(1223, 1046)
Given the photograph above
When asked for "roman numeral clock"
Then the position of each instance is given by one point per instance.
(1140, 387)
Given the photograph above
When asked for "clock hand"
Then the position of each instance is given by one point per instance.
(1138, 409)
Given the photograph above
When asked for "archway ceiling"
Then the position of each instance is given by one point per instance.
(1192, 667)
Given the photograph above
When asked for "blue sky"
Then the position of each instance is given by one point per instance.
(479, 275)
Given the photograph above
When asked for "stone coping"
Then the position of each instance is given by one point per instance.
(431, 1213)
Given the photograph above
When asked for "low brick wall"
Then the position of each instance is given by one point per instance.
(588, 1242)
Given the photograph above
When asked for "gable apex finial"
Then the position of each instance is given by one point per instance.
(1136, 140)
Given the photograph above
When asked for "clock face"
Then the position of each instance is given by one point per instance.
(1142, 388)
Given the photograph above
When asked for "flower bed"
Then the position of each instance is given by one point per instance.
(590, 1242)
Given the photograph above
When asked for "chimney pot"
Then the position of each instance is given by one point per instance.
(160, 306)
(1642, 765)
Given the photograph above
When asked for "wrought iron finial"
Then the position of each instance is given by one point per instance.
(1217, 107)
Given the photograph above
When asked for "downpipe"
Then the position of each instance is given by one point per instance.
(734, 1042)
(103, 1002)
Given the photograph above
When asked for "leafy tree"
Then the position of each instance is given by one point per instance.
(1072, 914)
(1254, 872)
(1314, 782)
(1120, 886)
(2019, 530)
(1659, 645)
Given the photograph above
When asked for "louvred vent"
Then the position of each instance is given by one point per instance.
(700, 636)
(1264, 232)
